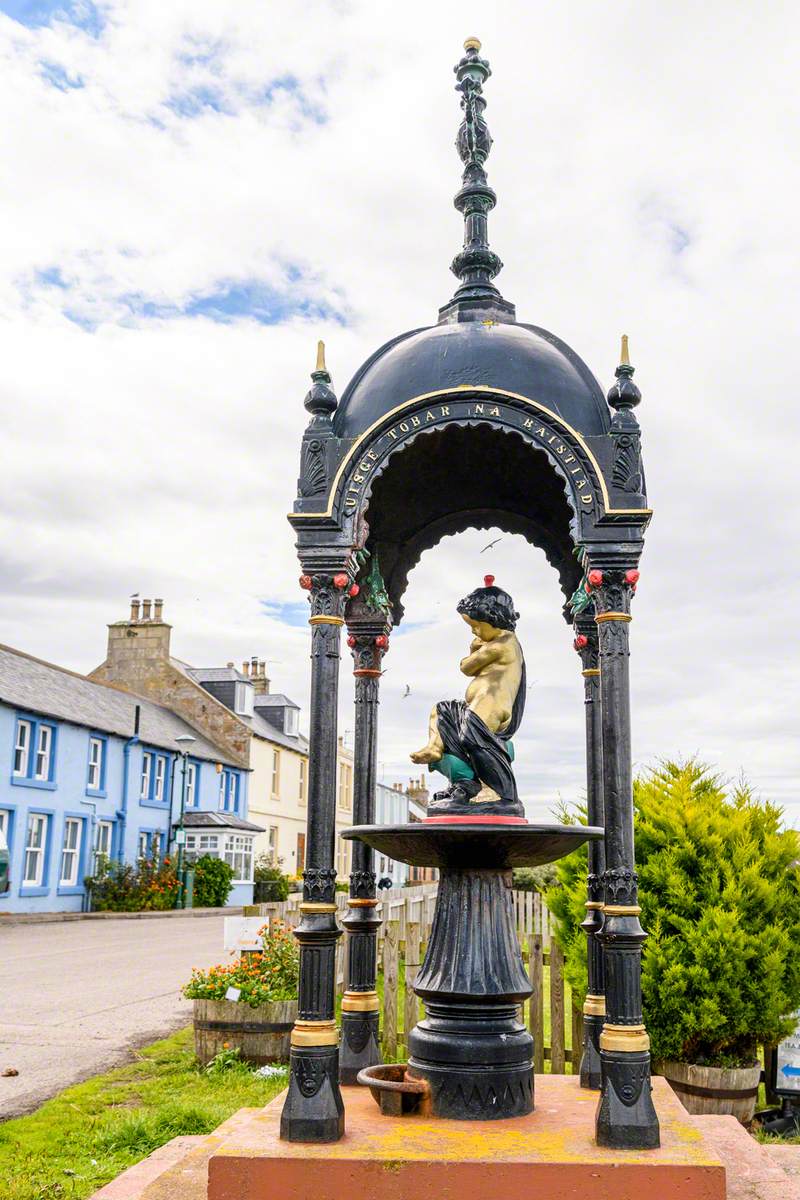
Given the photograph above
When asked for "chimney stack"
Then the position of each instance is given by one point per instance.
(134, 610)
(158, 609)
(145, 610)
(246, 668)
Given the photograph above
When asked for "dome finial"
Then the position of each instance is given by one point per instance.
(624, 356)
(476, 265)
(624, 393)
(321, 400)
(321, 357)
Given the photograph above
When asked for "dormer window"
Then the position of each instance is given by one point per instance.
(292, 722)
(243, 700)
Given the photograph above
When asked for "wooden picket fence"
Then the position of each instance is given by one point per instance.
(407, 916)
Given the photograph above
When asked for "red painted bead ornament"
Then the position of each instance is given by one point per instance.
(305, 582)
(595, 578)
(581, 641)
(382, 641)
(354, 590)
(351, 641)
(632, 577)
(340, 581)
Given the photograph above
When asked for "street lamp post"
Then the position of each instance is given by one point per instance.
(185, 741)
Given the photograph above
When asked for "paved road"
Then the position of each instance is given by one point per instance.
(76, 997)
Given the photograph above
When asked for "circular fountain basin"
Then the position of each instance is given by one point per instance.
(457, 845)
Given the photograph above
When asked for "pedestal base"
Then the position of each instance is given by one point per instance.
(359, 1046)
(313, 1111)
(551, 1153)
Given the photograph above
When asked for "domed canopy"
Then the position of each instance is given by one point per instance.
(520, 360)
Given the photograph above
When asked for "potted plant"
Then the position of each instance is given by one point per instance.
(720, 895)
(259, 1020)
(270, 883)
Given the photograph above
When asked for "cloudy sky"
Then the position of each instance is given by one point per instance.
(195, 191)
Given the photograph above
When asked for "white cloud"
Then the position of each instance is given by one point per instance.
(645, 167)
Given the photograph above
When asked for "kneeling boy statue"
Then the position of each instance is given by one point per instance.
(469, 741)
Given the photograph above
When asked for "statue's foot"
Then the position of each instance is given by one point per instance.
(427, 755)
(456, 795)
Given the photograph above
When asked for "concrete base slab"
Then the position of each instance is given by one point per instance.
(550, 1153)
(755, 1171)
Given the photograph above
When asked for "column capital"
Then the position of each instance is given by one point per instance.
(368, 637)
(586, 641)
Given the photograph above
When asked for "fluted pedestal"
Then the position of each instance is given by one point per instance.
(472, 1048)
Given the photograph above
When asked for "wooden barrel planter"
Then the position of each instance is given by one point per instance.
(260, 1034)
(720, 1090)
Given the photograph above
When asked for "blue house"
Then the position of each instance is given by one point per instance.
(88, 770)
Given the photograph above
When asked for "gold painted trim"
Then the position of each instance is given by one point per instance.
(630, 1039)
(613, 616)
(312, 906)
(326, 620)
(594, 904)
(594, 1006)
(458, 394)
(622, 910)
(315, 1033)
(590, 672)
(359, 903)
(360, 1002)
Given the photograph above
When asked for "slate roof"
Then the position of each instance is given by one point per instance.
(40, 687)
(275, 700)
(205, 820)
(259, 725)
(213, 674)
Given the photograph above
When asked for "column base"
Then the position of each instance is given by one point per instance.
(626, 1118)
(360, 1046)
(313, 1111)
(590, 1070)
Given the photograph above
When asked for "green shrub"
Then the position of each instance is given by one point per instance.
(270, 881)
(260, 978)
(535, 879)
(212, 882)
(720, 895)
(119, 887)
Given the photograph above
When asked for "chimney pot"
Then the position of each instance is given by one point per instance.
(254, 664)
(245, 667)
(145, 610)
(230, 664)
(158, 609)
(134, 610)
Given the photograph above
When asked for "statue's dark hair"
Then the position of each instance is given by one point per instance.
(490, 604)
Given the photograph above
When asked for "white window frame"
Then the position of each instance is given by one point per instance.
(237, 852)
(147, 770)
(95, 779)
(276, 774)
(233, 792)
(243, 700)
(44, 753)
(5, 826)
(223, 788)
(161, 774)
(35, 852)
(191, 785)
(70, 852)
(156, 847)
(292, 726)
(22, 748)
(142, 844)
(301, 795)
(272, 845)
(104, 837)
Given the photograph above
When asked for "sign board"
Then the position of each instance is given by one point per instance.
(787, 1062)
(242, 934)
(180, 837)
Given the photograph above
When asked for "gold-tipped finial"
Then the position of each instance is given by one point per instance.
(320, 357)
(472, 44)
(624, 359)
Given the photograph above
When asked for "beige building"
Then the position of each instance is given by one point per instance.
(236, 709)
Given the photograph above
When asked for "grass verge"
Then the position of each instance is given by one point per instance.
(87, 1134)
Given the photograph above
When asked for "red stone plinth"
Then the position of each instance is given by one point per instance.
(549, 1154)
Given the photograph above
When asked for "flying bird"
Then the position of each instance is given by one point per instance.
(407, 692)
(494, 543)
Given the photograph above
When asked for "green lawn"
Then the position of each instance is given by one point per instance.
(87, 1134)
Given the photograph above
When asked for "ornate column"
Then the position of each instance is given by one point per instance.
(313, 1111)
(368, 640)
(594, 1008)
(626, 1117)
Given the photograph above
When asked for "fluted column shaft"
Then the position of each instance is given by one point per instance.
(368, 639)
(313, 1111)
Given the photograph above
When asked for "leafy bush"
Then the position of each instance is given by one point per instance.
(212, 882)
(118, 887)
(271, 975)
(535, 879)
(720, 895)
(274, 885)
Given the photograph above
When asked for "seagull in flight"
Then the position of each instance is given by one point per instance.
(494, 543)
(407, 692)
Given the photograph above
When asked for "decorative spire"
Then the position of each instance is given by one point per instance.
(321, 400)
(624, 393)
(476, 266)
